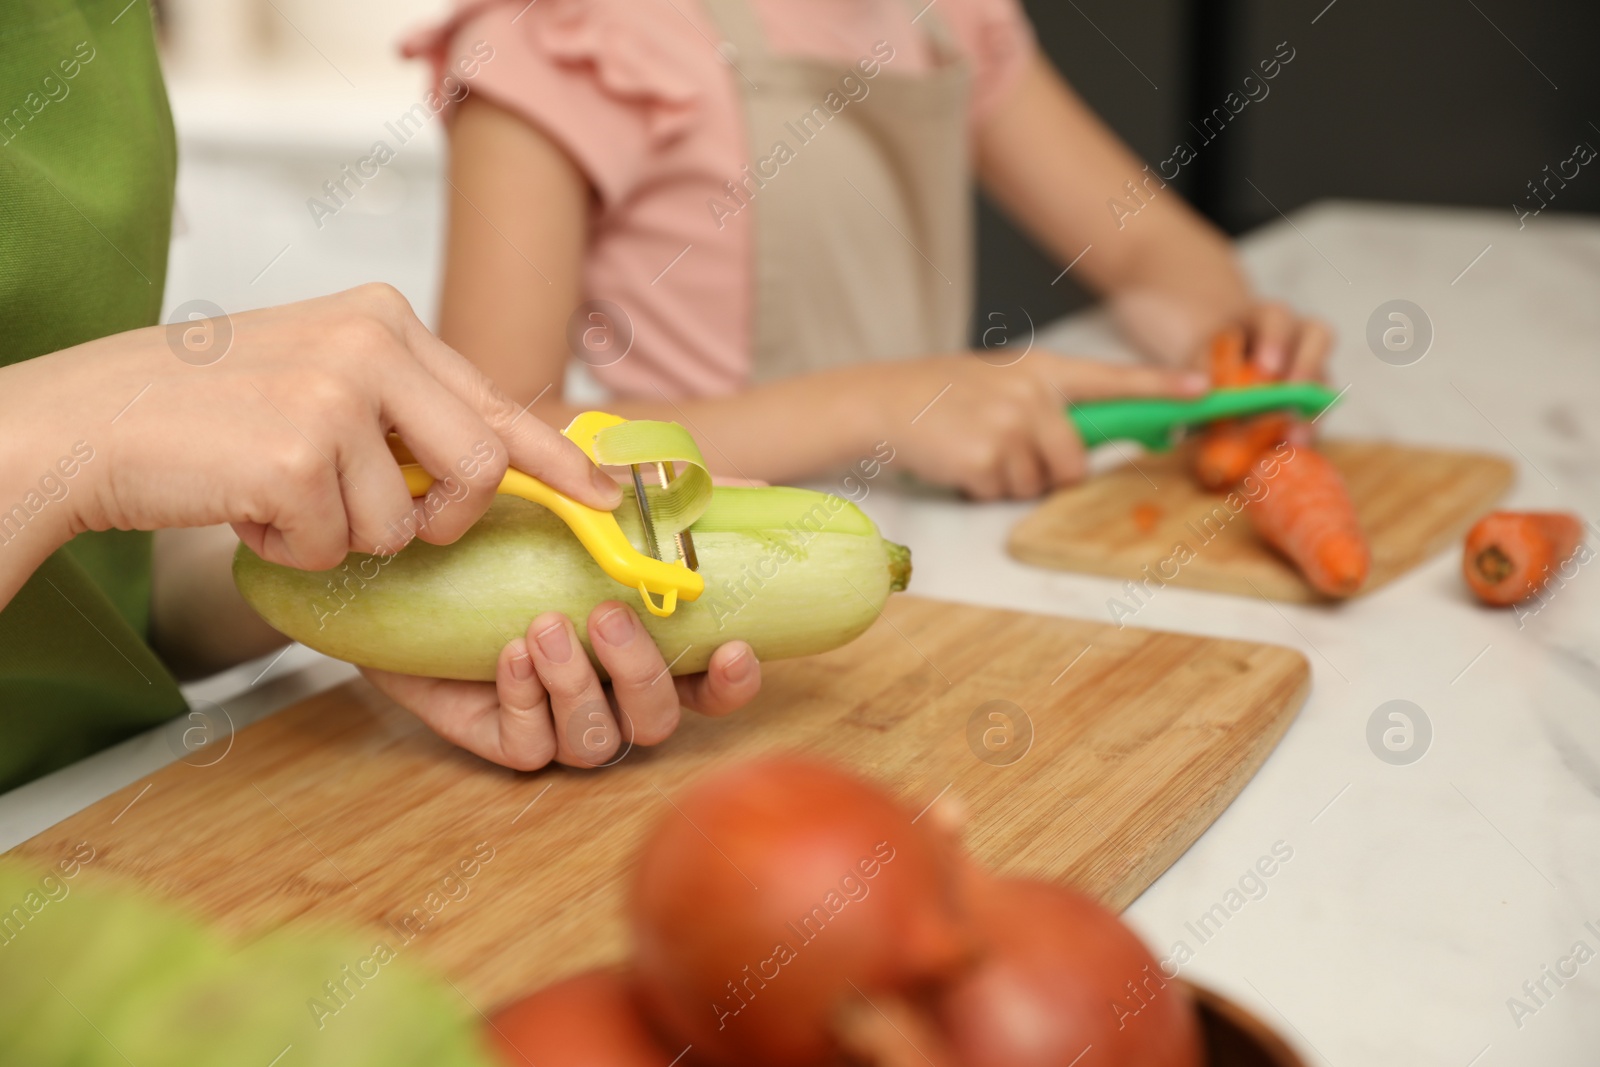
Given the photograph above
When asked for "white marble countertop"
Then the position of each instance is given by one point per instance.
(1419, 898)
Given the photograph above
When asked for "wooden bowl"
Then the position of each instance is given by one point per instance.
(1236, 1038)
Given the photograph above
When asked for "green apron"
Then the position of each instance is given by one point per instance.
(87, 160)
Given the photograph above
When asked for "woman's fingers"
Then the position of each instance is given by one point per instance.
(451, 713)
(460, 427)
(474, 716)
(452, 442)
(547, 702)
(311, 532)
(378, 507)
(541, 451)
(527, 736)
(532, 446)
(343, 378)
(731, 680)
(587, 733)
(640, 680)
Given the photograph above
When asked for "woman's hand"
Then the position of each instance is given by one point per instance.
(547, 701)
(1000, 431)
(281, 433)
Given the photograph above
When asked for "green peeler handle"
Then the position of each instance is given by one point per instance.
(1152, 420)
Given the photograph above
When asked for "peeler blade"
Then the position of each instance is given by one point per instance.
(682, 539)
(645, 518)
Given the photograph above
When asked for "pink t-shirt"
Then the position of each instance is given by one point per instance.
(639, 96)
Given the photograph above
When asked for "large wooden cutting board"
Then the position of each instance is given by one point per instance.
(343, 809)
(1412, 502)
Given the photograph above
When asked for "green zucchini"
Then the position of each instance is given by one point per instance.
(104, 977)
(791, 571)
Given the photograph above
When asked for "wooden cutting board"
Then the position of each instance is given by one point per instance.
(344, 809)
(1412, 502)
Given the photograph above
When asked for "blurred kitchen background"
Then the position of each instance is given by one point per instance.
(1463, 102)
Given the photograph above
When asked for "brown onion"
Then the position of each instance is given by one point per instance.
(771, 896)
(1062, 981)
(590, 1020)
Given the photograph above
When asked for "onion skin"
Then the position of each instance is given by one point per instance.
(590, 1020)
(773, 896)
(1060, 974)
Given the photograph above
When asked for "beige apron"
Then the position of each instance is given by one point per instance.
(863, 240)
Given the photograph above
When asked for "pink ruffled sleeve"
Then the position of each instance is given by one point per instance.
(997, 39)
(593, 75)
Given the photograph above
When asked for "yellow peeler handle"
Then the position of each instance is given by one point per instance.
(596, 530)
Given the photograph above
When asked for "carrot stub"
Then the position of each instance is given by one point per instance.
(1306, 514)
(1146, 515)
(1509, 555)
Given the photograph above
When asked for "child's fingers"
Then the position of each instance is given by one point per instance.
(1311, 350)
(1272, 328)
(1059, 446)
(1224, 355)
(982, 479)
(1086, 379)
(1023, 472)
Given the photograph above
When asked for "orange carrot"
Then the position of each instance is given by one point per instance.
(1146, 515)
(1509, 554)
(1306, 514)
(1228, 365)
(1227, 450)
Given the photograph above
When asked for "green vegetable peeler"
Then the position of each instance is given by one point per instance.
(1152, 420)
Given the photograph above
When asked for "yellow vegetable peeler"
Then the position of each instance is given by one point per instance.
(598, 530)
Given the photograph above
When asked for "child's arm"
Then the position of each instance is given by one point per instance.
(1170, 276)
(518, 223)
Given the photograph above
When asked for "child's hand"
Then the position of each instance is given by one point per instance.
(1285, 344)
(997, 432)
(547, 702)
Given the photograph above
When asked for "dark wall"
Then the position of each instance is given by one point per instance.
(1458, 102)
(1462, 102)
(1130, 62)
